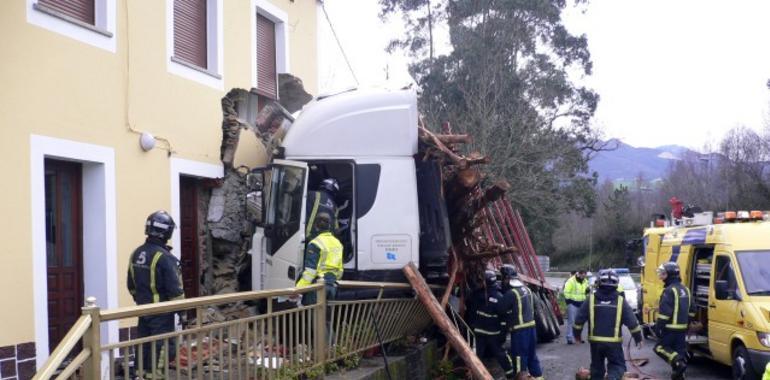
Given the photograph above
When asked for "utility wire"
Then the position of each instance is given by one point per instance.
(345, 56)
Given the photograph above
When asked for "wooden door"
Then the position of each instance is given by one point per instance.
(64, 246)
(188, 228)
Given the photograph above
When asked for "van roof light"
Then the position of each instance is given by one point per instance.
(743, 215)
(756, 215)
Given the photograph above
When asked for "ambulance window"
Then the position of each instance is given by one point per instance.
(724, 272)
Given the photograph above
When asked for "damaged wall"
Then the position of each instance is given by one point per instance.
(226, 233)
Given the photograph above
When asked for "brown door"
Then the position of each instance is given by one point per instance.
(64, 247)
(188, 227)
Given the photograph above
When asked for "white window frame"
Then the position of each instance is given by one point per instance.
(213, 74)
(180, 167)
(101, 35)
(99, 230)
(281, 20)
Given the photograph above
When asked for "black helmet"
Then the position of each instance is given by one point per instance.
(608, 278)
(330, 185)
(671, 269)
(509, 271)
(159, 225)
(490, 278)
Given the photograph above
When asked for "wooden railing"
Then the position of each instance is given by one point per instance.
(279, 342)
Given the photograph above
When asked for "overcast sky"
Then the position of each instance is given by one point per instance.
(668, 72)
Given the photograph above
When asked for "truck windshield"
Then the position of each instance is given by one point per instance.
(755, 268)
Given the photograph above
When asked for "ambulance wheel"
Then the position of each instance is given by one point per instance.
(742, 368)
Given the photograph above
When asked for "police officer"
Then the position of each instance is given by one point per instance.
(322, 201)
(518, 315)
(674, 310)
(154, 276)
(484, 313)
(605, 311)
(575, 290)
(323, 259)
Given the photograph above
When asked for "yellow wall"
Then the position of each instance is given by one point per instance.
(53, 85)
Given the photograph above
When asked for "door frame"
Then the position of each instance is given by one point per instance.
(99, 219)
(188, 168)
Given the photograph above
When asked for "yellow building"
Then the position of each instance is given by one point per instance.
(81, 80)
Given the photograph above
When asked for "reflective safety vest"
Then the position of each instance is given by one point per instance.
(323, 256)
(517, 306)
(484, 312)
(154, 275)
(675, 307)
(605, 318)
(766, 375)
(575, 290)
(317, 202)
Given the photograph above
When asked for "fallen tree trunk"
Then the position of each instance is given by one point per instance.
(442, 321)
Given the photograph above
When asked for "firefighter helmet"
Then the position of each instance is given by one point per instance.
(159, 225)
(509, 271)
(608, 278)
(671, 269)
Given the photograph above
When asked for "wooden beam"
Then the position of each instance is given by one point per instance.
(450, 330)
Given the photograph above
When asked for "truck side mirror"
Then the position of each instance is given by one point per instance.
(720, 289)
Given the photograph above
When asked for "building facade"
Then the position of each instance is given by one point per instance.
(82, 80)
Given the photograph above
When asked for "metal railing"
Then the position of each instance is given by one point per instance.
(278, 343)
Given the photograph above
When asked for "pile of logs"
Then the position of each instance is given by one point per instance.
(466, 200)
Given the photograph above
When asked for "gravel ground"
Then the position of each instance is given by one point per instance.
(560, 362)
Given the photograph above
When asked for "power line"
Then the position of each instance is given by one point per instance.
(339, 44)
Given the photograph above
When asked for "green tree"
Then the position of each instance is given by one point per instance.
(506, 83)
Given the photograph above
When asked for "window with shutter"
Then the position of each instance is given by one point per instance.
(80, 10)
(190, 32)
(266, 67)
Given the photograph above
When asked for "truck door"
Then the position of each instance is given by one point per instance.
(285, 223)
(723, 311)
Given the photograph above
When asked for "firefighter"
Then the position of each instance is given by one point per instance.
(605, 311)
(154, 276)
(484, 313)
(575, 290)
(321, 201)
(674, 312)
(323, 259)
(518, 314)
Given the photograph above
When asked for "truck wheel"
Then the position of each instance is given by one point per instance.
(544, 333)
(742, 369)
(553, 324)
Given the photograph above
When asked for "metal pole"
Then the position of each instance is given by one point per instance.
(382, 345)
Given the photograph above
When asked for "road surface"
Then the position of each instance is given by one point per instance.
(560, 362)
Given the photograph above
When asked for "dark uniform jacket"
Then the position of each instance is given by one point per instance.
(484, 311)
(317, 202)
(518, 307)
(605, 311)
(675, 307)
(154, 274)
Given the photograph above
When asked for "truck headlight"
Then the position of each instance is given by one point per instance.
(764, 338)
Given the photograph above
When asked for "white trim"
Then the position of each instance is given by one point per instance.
(99, 230)
(215, 49)
(181, 167)
(281, 20)
(105, 14)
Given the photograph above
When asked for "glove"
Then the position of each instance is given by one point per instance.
(182, 318)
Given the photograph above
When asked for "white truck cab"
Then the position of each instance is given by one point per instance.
(367, 141)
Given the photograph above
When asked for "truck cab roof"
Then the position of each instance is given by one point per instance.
(740, 236)
(357, 123)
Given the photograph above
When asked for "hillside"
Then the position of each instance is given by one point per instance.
(627, 162)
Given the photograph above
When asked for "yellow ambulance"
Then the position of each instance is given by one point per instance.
(726, 263)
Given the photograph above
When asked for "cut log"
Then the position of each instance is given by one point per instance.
(442, 321)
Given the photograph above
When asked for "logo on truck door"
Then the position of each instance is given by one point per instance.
(389, 249)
